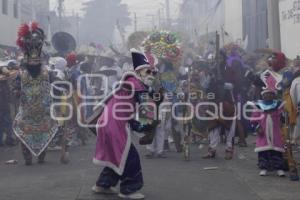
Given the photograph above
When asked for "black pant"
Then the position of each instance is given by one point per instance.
(5, 124)
(28, 156)
(270, 160)
(131, 179)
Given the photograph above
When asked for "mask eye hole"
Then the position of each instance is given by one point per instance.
(150, 72)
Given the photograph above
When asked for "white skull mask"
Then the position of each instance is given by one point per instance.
(147, 75)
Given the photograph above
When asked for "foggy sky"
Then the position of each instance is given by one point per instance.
(143, 8)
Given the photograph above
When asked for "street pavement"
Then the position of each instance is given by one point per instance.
(165, 179)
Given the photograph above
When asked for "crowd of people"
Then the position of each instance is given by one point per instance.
(54, 102)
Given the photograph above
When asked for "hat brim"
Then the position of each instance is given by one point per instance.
(142, 67)
(268, 91)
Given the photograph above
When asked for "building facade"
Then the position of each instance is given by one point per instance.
(289, 11)
(246, 22)
(233, 25)
(9, 21)
(15, 12)
(255, 24)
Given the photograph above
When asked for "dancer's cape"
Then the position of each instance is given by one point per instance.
(112, 124)
(98, 109)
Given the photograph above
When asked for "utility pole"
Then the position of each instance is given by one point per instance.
(159, 19)
(135, 23)
(49, 34)
(121, 32)
(152, 21)
(60, 13)
(207, 36)
(223, 35)
(168, 13)
(218, 56)
(77, 28)
(274, 24)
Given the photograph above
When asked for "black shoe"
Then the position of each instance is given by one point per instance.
(150, 155)
(10, 142)
(28, 162)
(242, 144)
(166, 145)
(41, 158)
(162, 155)
(41, 162)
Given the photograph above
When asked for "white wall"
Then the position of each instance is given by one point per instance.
(9, 26)
(234, 18)
(290, 27)
(26, 11)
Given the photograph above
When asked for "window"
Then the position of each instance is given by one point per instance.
(16, 9)
(5, 7)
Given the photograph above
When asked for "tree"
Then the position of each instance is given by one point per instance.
(100, 20)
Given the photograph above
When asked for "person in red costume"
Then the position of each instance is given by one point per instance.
(277, 61)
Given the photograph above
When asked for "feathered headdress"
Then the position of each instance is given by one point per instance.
(153, 61)
(25, 30)
(71, 59)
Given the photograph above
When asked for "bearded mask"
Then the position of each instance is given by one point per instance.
(144, 67)
(31, 40)
(147, 76)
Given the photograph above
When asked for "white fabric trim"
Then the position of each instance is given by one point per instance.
(133, 50)
(269, 147)
(230, 134)
(142, 67)
(268, 91)
(118, 170)
(269, 130)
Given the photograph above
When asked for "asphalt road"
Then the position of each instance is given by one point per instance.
(165, 179)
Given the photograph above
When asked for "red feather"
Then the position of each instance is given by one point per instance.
(23, 30)
(34, 26)
(20, 43)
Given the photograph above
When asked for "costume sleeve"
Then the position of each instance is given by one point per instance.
(256, 117)
(133, 84)
(140, 128)
(256, 120)
(16, 86)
